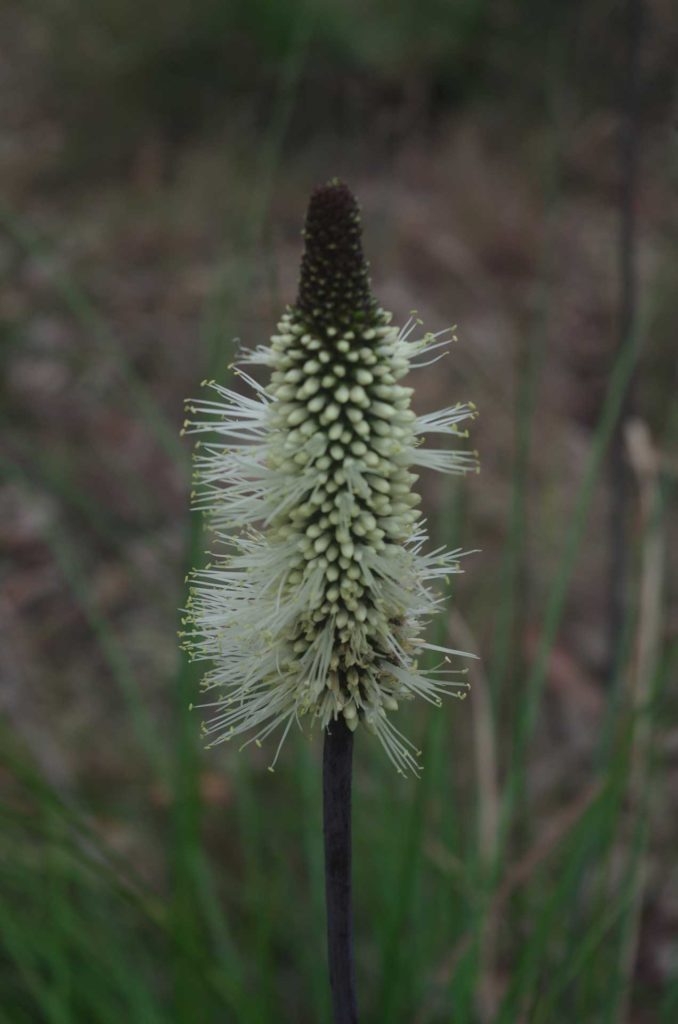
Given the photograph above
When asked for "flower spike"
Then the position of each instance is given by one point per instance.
(316, 608)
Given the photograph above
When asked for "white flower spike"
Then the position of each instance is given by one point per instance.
(316, 608)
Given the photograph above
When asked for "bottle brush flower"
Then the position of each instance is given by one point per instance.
(315, 608)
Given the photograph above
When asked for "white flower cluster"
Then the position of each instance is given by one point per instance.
(316, 608)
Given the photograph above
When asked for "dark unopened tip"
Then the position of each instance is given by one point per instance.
(333, 211)
(334, 285)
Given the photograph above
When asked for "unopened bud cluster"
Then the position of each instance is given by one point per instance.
(317, 607)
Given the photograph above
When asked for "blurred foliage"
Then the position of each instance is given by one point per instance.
(116, 72)
(128, 68)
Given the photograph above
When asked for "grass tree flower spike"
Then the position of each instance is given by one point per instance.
(315, 612)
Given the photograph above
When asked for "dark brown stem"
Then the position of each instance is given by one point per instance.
(337, 769)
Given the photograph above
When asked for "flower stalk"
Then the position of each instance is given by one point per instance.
(314, 609)
(337, 772)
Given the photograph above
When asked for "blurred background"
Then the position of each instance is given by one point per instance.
(516, 162)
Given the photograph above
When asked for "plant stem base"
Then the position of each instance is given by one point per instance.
(337, 770)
